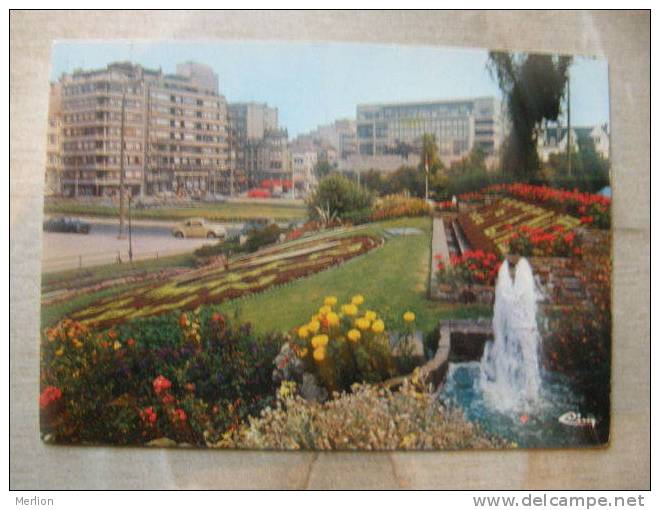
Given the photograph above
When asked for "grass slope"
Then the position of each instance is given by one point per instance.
(392, 279)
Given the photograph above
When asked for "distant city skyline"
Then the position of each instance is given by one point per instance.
(316, 83)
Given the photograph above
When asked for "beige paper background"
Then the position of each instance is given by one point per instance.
(622, 37)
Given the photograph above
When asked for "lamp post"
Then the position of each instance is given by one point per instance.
(122, 177)
(130, 231)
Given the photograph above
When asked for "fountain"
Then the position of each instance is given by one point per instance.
(510, 372)
(505, 389)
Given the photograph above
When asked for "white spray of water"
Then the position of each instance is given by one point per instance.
(510, 376)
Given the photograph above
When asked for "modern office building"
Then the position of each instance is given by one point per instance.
(458, 125)
(173, 128)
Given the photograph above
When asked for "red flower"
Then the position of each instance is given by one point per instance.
(180, 414)
(130, 342)
(49, 395)
(148, 415)
(161, 384)
(168, 399)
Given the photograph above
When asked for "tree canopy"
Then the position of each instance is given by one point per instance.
(533, 87)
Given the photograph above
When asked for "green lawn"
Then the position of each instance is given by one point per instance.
(232, 211)
(392, 279)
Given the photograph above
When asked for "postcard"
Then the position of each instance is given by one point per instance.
(297, 246)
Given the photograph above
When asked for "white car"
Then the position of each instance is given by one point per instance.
(197, 227)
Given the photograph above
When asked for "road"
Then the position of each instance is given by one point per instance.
(150, 239)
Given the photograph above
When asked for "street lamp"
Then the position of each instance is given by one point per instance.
(130, 238)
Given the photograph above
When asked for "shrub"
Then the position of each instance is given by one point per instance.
(358, 217)
(578, 342)
(221, 248)
(258, 238)
(344, 346)
(339, 196)
(188, 377)
(369, 418)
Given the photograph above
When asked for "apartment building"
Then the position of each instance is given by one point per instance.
(458, 125)
(303, 161)
(53, 161)
(173, 127)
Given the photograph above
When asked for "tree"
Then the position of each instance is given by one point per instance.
(340, 197)
(323, 169)
(533, 87)
(428, 159)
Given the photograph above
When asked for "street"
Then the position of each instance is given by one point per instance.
(150, 239)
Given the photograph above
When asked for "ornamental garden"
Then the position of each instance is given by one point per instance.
(325, 335)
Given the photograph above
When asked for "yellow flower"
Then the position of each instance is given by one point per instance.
(319, 354)
(314, 326)
(116, 345)
(319, 341)
(353, 335)
(378, 326)
(303, 332)
(324, 310)
(408, 316)
(330, 301)
(287, 389)
(350, 309)
(363, 323)
(303, 352)
(333, 319)
(370, 315)
(357, 299)
(77, 343)
(59, 351)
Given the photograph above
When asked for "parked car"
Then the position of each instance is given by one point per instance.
(197, 227)
(64, 224)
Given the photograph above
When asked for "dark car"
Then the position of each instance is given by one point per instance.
(71, 225)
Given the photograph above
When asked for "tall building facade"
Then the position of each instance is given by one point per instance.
(53, 149)
(259, 145)
(173, 128)
(458, 125)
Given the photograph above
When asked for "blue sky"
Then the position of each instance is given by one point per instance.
(316, 83)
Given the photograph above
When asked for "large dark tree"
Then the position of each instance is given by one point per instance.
(533, 87)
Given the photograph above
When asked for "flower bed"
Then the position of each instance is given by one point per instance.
(398, 206)
(591, 209)
(188, 377)
(214, 285)
(491, 227)
(540, 242)
(343, 344)
(368, 418)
